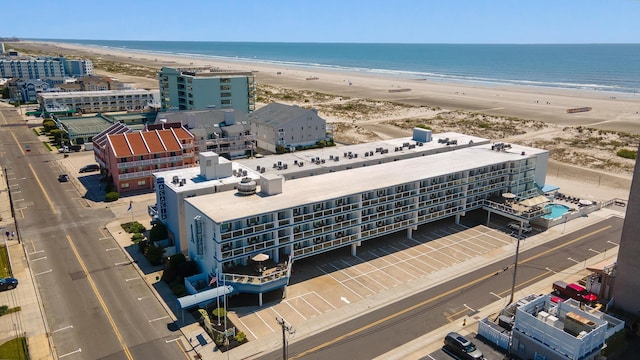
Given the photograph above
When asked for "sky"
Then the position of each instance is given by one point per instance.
(350, 21)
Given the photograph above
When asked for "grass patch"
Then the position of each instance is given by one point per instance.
(15, 349)
(627, 154)
(5, 268)
(46, 144)
(4, 310)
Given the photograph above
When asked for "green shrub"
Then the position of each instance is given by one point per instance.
(136, 237)
(169, 275)
(219, 313)
(627, 154)
(175, 261)
(111, 196)
(178, 289)
(241, 337)
(158, 232)
(134, 227)
(424, 126)
(143, 245)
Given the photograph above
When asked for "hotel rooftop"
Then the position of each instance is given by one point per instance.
(227, 206)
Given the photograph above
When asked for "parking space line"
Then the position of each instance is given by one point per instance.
(44, 272)
(40, 258)
(36, 252)
(323, 299)
(296, 310)
(340, 283)
(61, 329)
(417, 258)
(398, 267)
(260, 317)
(244, 326)
(71, 353)
(310, 305)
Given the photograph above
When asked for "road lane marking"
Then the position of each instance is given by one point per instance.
(100, 299)
(46, 196)
(494, 294)
(438, 297)
(130, 279)
(172, 340)
(111, 249)
(123, 263)
(575, 261)
(17, 142)
(44, 272)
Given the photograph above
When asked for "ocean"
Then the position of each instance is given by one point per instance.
(600, 67)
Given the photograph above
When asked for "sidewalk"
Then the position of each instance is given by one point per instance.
(30, 320)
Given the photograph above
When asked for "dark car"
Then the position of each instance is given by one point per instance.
(90, 168)
(461, 347)
(63, 178)
(8, 283)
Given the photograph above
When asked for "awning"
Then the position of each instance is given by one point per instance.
(540, 199)
(204, 296)
(549, 188)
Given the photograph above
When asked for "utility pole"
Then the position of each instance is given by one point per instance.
(515, 264)
(285, 329)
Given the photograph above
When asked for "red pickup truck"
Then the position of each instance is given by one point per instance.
(575, 292)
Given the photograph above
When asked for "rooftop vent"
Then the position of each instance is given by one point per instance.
(247, 187)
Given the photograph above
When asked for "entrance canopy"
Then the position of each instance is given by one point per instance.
(204, 296)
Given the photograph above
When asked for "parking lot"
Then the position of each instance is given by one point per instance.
(330, 281)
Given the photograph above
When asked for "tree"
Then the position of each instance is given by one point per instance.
(154, 254)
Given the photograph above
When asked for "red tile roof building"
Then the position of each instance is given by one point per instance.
(130, 158)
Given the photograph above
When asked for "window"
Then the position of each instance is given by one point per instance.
(225, 102)
(141, 182)
(124, 185)
(225, 87)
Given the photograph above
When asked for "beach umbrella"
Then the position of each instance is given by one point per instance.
(509, 196)
(585, 202)
(260, 258)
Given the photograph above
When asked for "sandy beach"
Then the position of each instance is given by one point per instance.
(611, 111)
(534, 116)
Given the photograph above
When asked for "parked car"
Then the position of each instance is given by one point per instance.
(63, 149)
(63, 178)
(514, 225)
(574, 291)
(461, 347)
(8, 283)
(90, 168)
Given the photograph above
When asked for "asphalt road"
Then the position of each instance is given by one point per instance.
(381, 331)
(96, 304)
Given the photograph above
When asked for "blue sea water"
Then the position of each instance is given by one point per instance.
(601, 67)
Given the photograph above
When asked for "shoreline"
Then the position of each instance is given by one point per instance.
(411, 75)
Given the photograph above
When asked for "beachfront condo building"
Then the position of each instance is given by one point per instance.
(98, 101)
(129, 158)
(280, 127)
(43, 67)
(342, 200)
(206, 88)
(224, 131)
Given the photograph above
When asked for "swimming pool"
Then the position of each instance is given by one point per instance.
(557, 211)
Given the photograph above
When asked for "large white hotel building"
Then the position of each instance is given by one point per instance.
(308, 203)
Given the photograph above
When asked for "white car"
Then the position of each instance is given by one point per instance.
(516, 226)
(63, 149)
